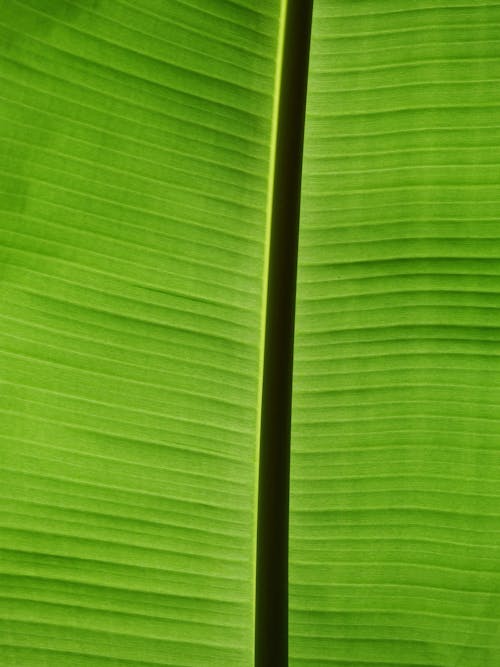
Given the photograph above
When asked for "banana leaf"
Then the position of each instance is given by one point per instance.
(395, 505)
(145, 350)
(136, 145)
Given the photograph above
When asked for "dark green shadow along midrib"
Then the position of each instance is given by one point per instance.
(271, 607)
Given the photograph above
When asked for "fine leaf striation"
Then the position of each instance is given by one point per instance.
(395, 504)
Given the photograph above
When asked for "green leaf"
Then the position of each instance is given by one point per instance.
(394, 545)
(137, 140)
(148, 211)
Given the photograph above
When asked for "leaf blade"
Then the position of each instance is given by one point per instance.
(394, 512)
(133, 247)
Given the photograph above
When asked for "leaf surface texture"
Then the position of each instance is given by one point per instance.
(395, 505)
(133, 191)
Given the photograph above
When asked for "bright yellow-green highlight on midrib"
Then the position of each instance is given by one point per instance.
(133, 203)
(395, 505)
(267, 248)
